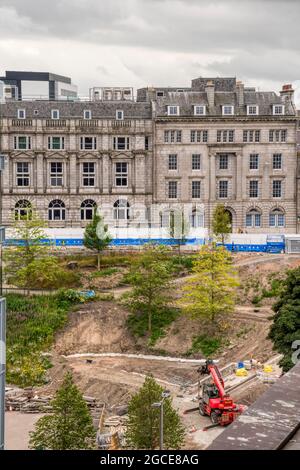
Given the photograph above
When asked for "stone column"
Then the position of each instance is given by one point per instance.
(212, 179)
(265, 190)
(41, 175)
(239, 180)
(140, 174)
(105, 174)
(73, 173)
(6, 175)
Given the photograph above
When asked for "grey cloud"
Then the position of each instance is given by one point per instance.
(214, 26)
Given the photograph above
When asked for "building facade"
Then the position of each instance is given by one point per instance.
(215, 142)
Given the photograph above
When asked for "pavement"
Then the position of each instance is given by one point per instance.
(17, 428)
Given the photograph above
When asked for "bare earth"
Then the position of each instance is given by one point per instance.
(100, 327)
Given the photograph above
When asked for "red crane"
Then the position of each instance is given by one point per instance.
(215, 402)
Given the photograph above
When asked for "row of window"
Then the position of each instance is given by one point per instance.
(23, 142)
(57, 210)
(223, 161)
(227, 110)
(225, 136)
(57, 174)
(223, 189)
(87, 114)
(121, 211)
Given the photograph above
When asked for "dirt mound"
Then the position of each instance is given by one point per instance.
(96, 327)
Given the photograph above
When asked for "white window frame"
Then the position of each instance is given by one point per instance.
(55, 114)
(196, 161)
(224, 107)
(87, 114)
(83, 143)
(119, 115)
(173, 110)
(254, 191)
(196, 189)
(278, 107)
(222, 190)
(172, 189)
(256, 159)
(199, 110)
(61, 142)
(17, 142)
(56, 177)
(20, 112)
(172, 162)
(22, 174)
(88, 175)
(121, 174)
(253, 107)
(116, 145)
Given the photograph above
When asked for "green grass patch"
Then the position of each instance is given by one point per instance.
(138, 323)
(31, 325)
(105, 272)
(205, 344)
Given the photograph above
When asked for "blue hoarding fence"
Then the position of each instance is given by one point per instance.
(268, 247)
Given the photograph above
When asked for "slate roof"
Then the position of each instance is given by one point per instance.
(186, 101)
(100, 110)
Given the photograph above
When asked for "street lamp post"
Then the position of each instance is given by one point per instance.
(160, 405)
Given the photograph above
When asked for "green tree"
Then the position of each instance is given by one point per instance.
(96, 236)
(209, 294)
(286, 321)
(221, 224)
(69, 426)
(178, 227)
(150, 279)
(45, 273)
(143, 426)
(30, 231)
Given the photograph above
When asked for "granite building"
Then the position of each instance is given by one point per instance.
(215, 142)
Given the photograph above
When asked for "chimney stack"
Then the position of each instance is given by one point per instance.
(287, 93)
(240, 93)
(210, 93)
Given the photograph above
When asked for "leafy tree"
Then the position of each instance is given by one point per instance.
(150, 278)
(96, 236)
(179, 227)
(69, 427)
(286, 321)
(221, 224)
(143, 426)
(30, 232)
(209, 293)
(45, 273)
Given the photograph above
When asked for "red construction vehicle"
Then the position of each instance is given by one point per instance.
(214, 401)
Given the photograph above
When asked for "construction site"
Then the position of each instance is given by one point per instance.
(109, 364)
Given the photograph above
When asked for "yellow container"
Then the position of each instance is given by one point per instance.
(241, 372)
(268, 368)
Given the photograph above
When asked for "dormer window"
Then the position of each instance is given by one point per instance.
(21, 114)
(87, 114)
(173, 110)
(227, 110)
(54, 114)
(160, 94)
(278, 109)
(252, 110)
(119, 115)
(199, 110)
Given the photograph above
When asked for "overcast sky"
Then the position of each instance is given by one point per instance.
(153, 42)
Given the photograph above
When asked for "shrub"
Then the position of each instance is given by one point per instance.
(105, 272)
(205, 344)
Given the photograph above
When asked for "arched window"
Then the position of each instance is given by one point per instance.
(23, 210)
(196, 219)
(121, 209)
(253, 218)
(57, 210)
(87, 209)
(277, 218)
